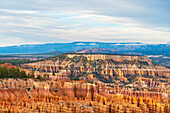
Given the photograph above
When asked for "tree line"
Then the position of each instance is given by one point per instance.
(14, 73)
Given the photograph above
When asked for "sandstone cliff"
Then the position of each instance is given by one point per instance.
(32, 96)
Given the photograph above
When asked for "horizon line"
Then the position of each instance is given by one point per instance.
(116, 42)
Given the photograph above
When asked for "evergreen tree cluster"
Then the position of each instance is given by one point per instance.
(13, 73)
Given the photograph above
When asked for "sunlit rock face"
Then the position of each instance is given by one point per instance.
(80, 90)
(114, 57)
(34, 96)
(90, 83)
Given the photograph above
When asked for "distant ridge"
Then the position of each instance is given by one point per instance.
(52, 53)
(97, 54)
(124, 47)
(96, 50)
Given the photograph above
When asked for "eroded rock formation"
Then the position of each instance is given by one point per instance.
(31, 96)
(104, 68)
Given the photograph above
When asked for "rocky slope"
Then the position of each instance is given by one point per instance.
(102, 67)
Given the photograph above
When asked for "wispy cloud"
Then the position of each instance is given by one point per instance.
(17, 11)
(74, 20)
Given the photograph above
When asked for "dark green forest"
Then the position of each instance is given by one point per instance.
(13, 73)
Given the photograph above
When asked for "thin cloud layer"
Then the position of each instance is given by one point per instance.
(48, 21)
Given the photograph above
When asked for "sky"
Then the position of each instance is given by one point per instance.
(62, 21)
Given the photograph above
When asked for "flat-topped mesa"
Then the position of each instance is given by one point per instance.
(111, 56)
(100, 67)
